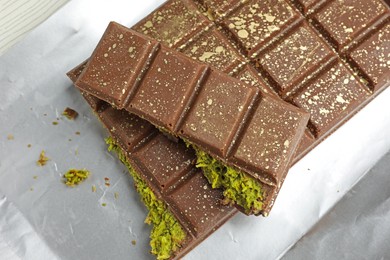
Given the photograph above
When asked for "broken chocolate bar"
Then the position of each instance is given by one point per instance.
(236, 130)
(183, 208)
(213, 43)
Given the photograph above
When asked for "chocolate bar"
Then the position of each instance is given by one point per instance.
(165, 175)
(237, 130)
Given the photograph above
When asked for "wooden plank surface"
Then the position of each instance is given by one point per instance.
(17, 17)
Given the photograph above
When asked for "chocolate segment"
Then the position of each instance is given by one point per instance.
(165, 89)
(330, 97)
(212, 48)
(271, 129)
(207, 108)
(341, 21)
(127, 71)
(173, 23)
(294, 58)
(372, 58)
(217, 113)
(257, 23)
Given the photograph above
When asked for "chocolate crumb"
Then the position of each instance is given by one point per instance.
(70, 113)
(133, 242)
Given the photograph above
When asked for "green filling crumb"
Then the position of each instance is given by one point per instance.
(74, 176)
(42, 160)
(238, 187)
(167, 235)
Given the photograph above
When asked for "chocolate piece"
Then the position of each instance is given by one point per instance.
(173, 23)
(212, 48)
(70, 113)
(168, 169)
(341, 21)
(165, 91)
(290, 61)
(372, 58)
(201, 105)
(330, 97)
(137, 53)
(256, 24)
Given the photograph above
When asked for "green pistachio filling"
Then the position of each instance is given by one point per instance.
(238, 187)
(167, 235)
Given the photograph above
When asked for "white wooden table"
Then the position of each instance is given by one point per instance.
(17, 17)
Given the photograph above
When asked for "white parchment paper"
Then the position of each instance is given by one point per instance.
(41, 218)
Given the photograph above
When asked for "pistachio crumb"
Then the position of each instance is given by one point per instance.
(35, 177)
(74, 176)
(104, 204)
(116, 195)
(29, 146)
(54, 123)
(10, 137)
(133, 242)
(93, 188)
(42, 159)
